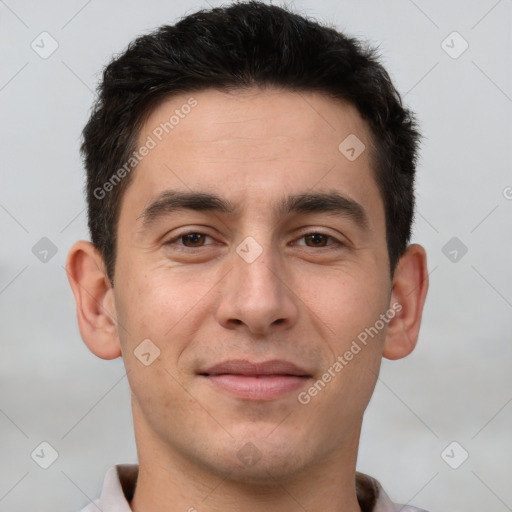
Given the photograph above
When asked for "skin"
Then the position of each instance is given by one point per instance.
(300, 301)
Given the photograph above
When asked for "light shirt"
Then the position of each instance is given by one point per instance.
(120, 481)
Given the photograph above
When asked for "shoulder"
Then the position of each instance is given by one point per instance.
(407, 508)
(118, 488)
(372, 497)
(92, 507)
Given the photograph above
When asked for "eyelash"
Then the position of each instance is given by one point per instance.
(173, 241)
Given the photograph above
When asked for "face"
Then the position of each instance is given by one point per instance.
(251, 292)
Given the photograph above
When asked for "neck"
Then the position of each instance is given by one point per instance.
(168, 481)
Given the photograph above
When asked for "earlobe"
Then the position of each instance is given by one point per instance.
(94, 299)
(410, 285)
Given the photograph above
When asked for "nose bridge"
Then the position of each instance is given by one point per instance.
(256, 267)
(254, 293)
(256, 259)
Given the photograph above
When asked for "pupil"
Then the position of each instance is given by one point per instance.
(317, 237)
(194, 238)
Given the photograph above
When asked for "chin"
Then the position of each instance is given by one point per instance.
(264, 460)
(266, 471)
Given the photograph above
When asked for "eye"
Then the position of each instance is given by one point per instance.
(318, 239)
(195, 239)
(190, 240)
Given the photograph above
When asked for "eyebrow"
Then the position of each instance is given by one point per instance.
(333, 203)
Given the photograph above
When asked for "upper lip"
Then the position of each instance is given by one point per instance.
(245, 367)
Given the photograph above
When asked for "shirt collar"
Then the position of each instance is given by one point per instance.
(121, 479)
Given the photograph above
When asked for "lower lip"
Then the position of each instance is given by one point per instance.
(264, 387)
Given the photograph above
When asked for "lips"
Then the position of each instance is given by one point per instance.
(243, 367)
(263, 381)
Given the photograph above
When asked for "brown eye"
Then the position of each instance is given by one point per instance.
(189, 240)
(192, 239)
(317, 239)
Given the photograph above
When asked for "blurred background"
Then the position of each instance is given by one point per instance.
(437, 433)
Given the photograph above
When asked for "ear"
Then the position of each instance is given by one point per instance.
(410, 285)
(94, 297)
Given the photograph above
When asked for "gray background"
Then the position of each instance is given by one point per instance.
(456, 386)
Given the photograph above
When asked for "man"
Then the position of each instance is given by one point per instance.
(250, 190)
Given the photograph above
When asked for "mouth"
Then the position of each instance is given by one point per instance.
(264, 381)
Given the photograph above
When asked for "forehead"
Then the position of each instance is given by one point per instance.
(248, 120)
(253, 145)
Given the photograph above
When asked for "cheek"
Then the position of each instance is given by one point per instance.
(165, 306)
(153, 309)
(346, 302)
(148, 304)
(348, 305)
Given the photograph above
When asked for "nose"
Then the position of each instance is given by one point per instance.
(255, 295)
